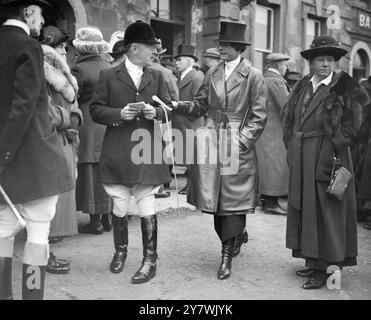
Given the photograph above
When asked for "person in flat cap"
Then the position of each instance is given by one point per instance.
(33, 167)
(91, 198)
(123, 103)
(210, 57)
(223, 182)
(320, 119)
(270, 149)
(189, 82)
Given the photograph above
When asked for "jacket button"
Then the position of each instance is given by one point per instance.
(137, 93)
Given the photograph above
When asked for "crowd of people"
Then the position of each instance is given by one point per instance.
(66, 143)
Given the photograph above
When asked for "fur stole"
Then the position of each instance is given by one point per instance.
(58, 74)
(345, 98)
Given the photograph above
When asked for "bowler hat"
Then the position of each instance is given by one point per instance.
(53, 36)
(14, 3)
(186, 50)
(276, 57)
(211, 53)
(233, 32)
(140, 32)
(324, 45)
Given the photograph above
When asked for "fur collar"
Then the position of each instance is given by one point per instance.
(58, 74)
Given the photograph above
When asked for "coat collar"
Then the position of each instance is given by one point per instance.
(123, 75)
(88, 57)
(187, 79)
(319, 95)
(238, 75)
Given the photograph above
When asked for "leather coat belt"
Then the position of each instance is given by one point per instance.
(224, 117)
(296, 166)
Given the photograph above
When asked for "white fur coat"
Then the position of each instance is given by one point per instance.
(58, 74)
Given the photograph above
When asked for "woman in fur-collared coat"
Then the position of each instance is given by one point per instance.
(321, 117)
(67, 118)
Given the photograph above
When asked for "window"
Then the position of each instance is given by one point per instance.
(263, 35)
(161, 8)
(361, 65)
(313, 31)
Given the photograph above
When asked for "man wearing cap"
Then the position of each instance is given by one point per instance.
(320, 118)
(270, 149)
(233, 97)
(189, 82)
(211, 57)
(126, 165)
(33, 168)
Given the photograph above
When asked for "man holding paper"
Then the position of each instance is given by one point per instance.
(132, 159)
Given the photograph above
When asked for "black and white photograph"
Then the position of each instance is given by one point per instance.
(183, 156)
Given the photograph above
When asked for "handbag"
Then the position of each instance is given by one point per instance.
(340, 178)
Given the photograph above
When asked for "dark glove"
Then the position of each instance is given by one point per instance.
(184, 107)
(75, 122)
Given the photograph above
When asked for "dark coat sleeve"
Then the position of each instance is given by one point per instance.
(29, 79)
(278, 91)
(99, 108)
(163, 94)
(78, 73)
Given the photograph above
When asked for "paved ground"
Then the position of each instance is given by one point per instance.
(189, 252)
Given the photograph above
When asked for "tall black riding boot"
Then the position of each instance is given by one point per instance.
(149, 237)
(33, 282)
(6, 279)
(120, 239)
(224, 271)
(240, 239)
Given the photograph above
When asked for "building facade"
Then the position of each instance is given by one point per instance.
(286, 26)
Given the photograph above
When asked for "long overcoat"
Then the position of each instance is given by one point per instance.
(236, 116)
(188, 88)
(31, 156)
(86, 70)
(132, 151)
(319, 226)
(270, 149)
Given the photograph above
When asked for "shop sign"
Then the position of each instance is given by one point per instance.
(364, 20)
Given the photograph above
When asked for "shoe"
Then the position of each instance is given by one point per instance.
(147, 270)
(306, 273)
(164, 194)
(282, 203)
(106, 221)
(367, 226)
(224, 271)
(239, 241)
(55, 239)
(183, 190)
(94, 226)
(318, 281)
(6, 278)
(61, 262)
(33, 282)
(55, 268)
(120, 240)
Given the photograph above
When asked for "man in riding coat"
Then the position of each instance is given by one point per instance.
(233, 96)
(126, 165)
(322, 115)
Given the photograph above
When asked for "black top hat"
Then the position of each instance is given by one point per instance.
(186, 50)
(232, 32)
(140, 32)
(324, 45)
(14, 3)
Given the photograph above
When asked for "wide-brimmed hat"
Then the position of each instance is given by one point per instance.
(53, 36)
(13, 3)
(186, 50)
(140, 32)
(159, 48)
(232, 32)
(89, 40)
(211, 53)
(276, 57)
(324, 45)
